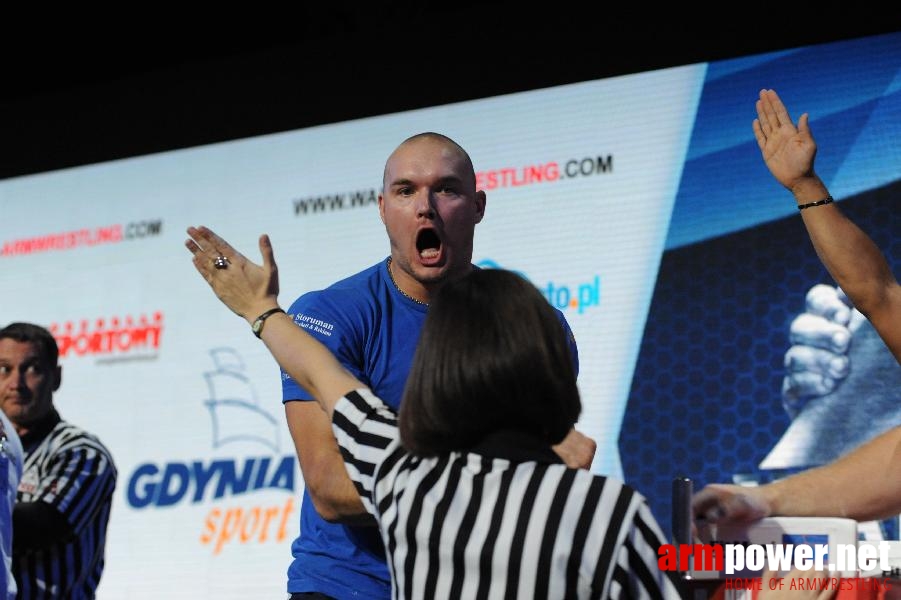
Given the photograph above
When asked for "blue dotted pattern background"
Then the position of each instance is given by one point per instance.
(705, 400)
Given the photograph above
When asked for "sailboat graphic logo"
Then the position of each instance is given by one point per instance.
(234, 409)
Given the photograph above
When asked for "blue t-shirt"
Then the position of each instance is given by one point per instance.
(372, 329)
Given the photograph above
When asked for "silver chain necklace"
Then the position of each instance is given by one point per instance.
(397, 287)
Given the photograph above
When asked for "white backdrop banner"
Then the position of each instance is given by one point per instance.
(580, 181)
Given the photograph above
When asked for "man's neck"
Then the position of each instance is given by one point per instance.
(420, 296)
(419, 291)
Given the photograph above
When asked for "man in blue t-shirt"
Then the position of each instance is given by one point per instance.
(371, 322)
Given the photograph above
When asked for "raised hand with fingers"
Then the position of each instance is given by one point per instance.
(245, 287)
(788, 151)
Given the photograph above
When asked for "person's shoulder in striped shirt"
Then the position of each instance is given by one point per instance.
(470, 498)
(65, 493)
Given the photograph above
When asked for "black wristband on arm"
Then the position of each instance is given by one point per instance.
(825, 200)
(257, 326)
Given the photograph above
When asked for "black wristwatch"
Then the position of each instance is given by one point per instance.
(257, 326)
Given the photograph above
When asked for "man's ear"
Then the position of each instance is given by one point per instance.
(57, 377)
(481, 199)
(382, 208)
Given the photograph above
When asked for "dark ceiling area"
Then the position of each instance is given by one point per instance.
(84, 95)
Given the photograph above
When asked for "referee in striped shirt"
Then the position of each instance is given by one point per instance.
(470, 499)
(66, 490)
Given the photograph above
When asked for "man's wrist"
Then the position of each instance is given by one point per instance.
(770, 497)
(257, 325)
(809, 189)
(253, 312)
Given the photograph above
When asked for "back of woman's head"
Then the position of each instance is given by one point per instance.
(492, 355)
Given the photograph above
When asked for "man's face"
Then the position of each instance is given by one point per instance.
(27, 382)
(430, 208)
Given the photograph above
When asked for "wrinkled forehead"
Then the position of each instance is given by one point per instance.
(428, 155)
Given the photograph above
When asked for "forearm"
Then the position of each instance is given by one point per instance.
(337, 500)
(330, 488)
(864, 484)
(308, 361)
(847, 252)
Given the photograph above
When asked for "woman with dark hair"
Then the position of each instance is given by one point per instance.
(470, 499)
(487, 351)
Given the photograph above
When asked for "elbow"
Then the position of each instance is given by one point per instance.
(327, 509)
(335, 499)
(347, 511)
(350, 512)
(323, 497)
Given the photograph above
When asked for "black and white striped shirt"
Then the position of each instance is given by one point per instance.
(72, 471)
(481, 525)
